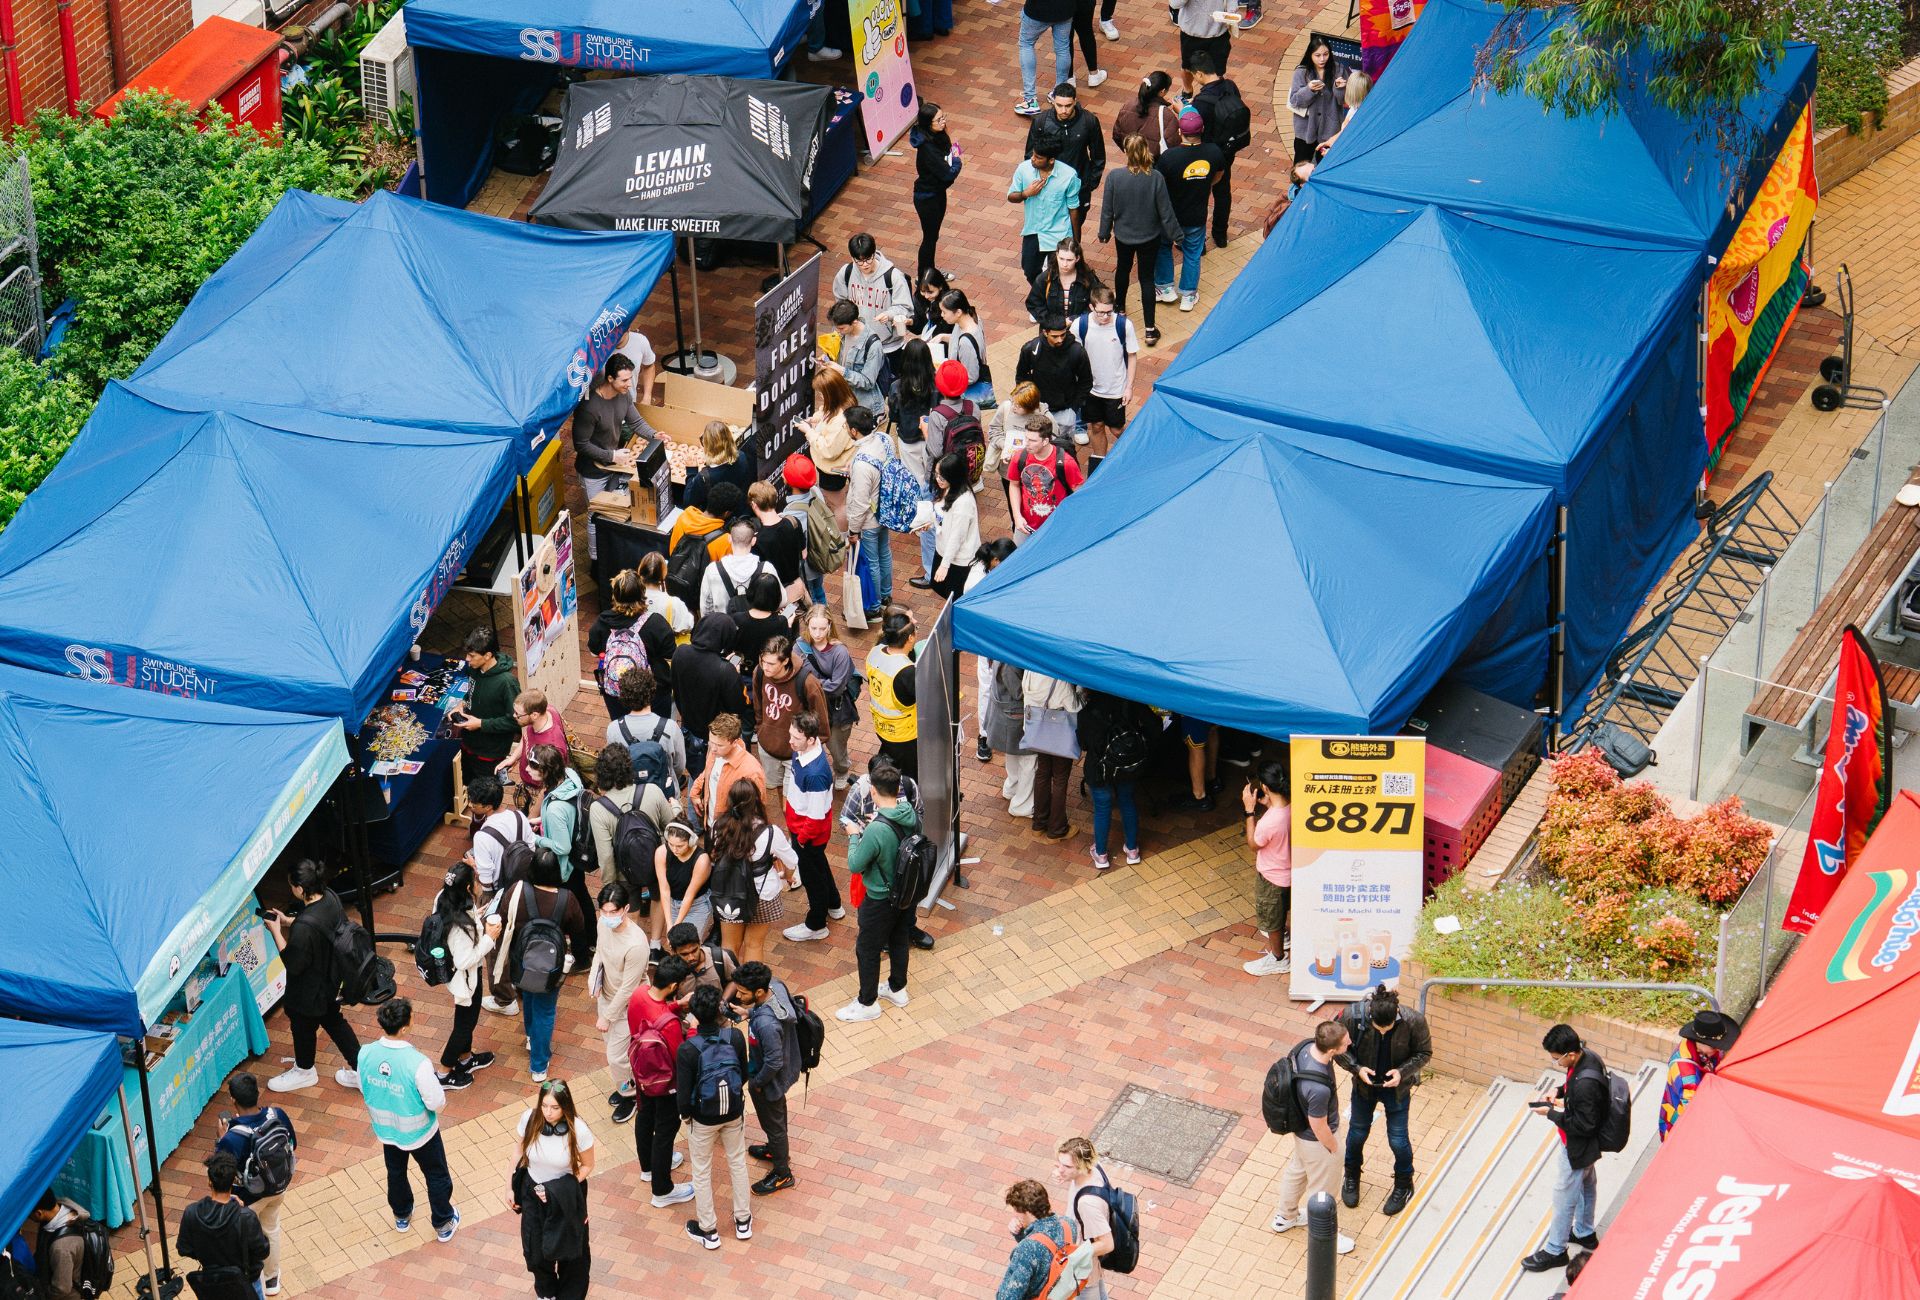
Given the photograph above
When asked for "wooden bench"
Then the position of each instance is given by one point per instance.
(1862, 596)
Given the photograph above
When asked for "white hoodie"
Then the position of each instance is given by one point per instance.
(888, 289)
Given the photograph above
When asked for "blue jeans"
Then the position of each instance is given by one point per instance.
(1030, 33)
(1104, 797)
(877, 546)
(1573, 1195)
(1360, 1124)
(1193, 241)
(816, 587)
(927, 544)
(536, 1013)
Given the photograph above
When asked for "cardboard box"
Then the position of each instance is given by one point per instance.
(686, 404)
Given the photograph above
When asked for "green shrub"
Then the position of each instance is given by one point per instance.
(1859, 44)
(39, 415)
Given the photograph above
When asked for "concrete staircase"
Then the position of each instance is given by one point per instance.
(1487, 1204)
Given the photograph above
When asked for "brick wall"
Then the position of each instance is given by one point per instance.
(148, 27)
(1480, 1036)
(1839, 153)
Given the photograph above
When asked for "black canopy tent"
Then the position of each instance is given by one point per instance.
(708, 157)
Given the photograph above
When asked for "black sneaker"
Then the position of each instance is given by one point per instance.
(455, 1079)
(760, 1151)
(711, 1240)
(1541, 1261)
(1591, 1241)
(1397, 1199)
(776, 1181)
(476, 1061)
(1350, 1190)
(1191, 804)
(624, 1104)
(981, 750)
(921, 939)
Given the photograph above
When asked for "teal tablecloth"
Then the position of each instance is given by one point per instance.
(226, 1030)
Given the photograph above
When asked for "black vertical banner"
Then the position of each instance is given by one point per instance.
(783, 347)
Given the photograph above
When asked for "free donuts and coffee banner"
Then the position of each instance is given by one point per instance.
(1358, 826)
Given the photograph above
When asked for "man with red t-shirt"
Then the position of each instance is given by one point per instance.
(1039, 477)
(657, 1118)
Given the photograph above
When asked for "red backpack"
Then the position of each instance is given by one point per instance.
(652, 1058)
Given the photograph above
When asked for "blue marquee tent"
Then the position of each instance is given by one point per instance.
(1553, 357)
(56, 1082)
(477, 60)
(1428, 134)
(410, 313)
(115, 879)
(1259, 576)
(280, 566)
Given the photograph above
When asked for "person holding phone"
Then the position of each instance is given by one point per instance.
(486, 725)
(1269, 832)
(1318, 98)
(1578, 1108)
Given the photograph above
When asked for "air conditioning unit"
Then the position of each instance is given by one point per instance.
(251, 12)
(386, 68)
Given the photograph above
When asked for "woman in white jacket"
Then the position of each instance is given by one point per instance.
(956, 521)
(468, 942)
(1051, 770)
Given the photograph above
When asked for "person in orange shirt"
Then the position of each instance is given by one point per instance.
(728, 760)
(725, 501)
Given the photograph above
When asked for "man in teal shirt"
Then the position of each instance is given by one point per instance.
(1049, 191)
(884, 928)
(404, 1100)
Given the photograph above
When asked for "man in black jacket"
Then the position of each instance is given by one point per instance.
(1390, 1048)
(706, 684)
(313, 985)
(1212, 89)
(1057, 365)
(1581, 1112)
(224, 1235)
(1078, 143)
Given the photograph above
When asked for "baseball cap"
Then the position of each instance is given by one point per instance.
(1191, 123)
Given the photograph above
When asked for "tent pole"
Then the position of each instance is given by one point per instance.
(139, 1202)
(699, 365)
(953, 750)
(1560, 623)
(153, 1164)
(673, 282)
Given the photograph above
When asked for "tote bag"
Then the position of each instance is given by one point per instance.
(853, 605)
(1051, 731)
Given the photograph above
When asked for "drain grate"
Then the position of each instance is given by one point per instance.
(1162, 1134)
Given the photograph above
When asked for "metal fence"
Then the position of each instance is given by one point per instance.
(23, 323)
(1752, 944)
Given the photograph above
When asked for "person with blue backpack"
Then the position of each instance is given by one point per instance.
(710, 1084)
(881, 495)
(262, 1142)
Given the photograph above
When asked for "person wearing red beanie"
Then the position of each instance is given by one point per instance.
(950, 379)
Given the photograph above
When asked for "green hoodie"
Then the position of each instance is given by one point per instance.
(492, 702)
(871, 857)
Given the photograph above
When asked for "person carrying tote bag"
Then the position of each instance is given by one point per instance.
(1052, 725)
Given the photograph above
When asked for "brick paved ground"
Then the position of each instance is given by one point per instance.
(1051, 988)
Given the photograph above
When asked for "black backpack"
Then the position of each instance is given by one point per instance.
(516, 856)
(366, 978)
(94, 1276)
(1232, 121)
(268, 1168)
(651, 766)
(734, 887)
(1123, 1214)
(687, 567)
(913, 864)
(430, 955)
(635, 841)
(581, 852)
(1280, 1101)
(1128, 748)
(18, 1282)
(813, 1033)
(737, 596)
(540, 947)
(1617, 1127)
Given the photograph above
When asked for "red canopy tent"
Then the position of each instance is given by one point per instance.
(1796, 1170)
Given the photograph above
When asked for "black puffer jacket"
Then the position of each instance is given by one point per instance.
(705, 685)
(1078, 142)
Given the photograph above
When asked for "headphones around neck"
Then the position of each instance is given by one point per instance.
(554, 1130)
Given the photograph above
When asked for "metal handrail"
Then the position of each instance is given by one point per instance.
(1637, 986)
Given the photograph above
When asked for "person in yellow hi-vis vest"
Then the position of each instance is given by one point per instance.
(895, 719)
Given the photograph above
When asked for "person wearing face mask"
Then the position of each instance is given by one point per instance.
(553, 1160)
(468, 942)
(619, 969)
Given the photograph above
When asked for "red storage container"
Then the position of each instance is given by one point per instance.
(1463, 803)
(219, 62)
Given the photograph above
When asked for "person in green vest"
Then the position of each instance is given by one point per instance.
(404, 1100)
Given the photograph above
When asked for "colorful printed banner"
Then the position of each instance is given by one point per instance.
(1359, 829)
(1855, 781)
(1383, 25)
(1755, 291)
(884, 76)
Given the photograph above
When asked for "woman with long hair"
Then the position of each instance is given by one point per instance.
(956, 525)
(653, 579)
(626, 609)
(928, 324)
(829, 442)
(553, 1159)
(936, 168)
(681, 869)
(456, 910)
(969, 346)
(725, 463)
(1023, 416)
(557, 787)
(1318, 98)
(1062, 286)
(743, 840)
(1136, 211)
(832, 663)
(1149, 115)
(985, 560)
(909, 400)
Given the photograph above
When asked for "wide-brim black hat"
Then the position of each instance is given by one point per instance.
(1712, 1029)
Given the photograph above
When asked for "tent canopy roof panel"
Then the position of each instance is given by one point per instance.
(740, 38)
(56, 1082)
(297, 564)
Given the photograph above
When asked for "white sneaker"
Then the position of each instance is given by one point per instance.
(500, 1008)
(825, 54)
(1081, 437)
(270, 1285)
(1095, 77)
(899, 997)
(1167, 294)
(681, 1193)
(794, 885)
(347, 1078)
(801, 934)
(679, 1158)
(1281, 1223)
(1267, 964)
(855, 1011)
(837, 913)
(1109, 31)
(293, 1080)
(1343, 1244)
(1101, 862)
(538, 1076)
(1133, 857)
(1187, 301)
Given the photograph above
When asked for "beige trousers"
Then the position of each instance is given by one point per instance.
(732, 1137)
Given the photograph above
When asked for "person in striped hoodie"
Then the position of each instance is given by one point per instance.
(809, 796)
